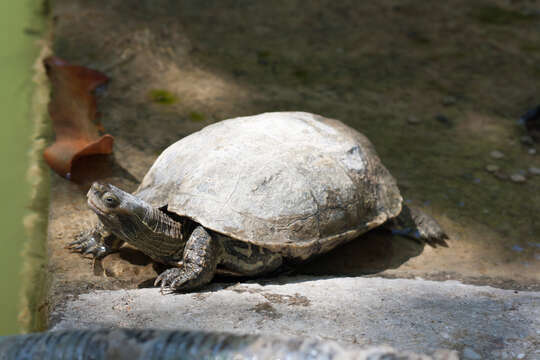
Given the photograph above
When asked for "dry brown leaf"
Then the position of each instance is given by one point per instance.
(73, 112)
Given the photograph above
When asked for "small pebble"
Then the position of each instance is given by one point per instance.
(443, 119)
(500, 175)
(518, 178)
(413, 120)
(496, 154)
(449, 100)
(492, 168)
(469, 353)
(532, 151)
(534, 170)
(527, 140)
(517, 248)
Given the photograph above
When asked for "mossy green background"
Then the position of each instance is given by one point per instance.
(20, 28)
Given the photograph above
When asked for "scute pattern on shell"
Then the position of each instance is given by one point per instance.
(294, 182)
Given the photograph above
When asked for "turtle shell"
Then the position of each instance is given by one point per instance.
(293, 182)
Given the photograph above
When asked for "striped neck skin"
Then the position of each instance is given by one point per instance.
(137, 222)
(154, 233)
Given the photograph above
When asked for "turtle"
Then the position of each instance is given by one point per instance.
(252, 194)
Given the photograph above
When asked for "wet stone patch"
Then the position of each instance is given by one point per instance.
(533, 170)
(518, 178)
(496, 154)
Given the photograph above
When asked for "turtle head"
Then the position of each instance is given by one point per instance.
(107, 200)
(118, 210)
(136, 221)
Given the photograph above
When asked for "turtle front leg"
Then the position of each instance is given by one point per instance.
(97, 242)
(199, 263)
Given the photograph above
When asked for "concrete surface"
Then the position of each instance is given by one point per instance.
(480, 322)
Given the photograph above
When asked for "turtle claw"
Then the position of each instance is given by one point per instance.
(89, 243)
(81, 241)
(75, 244)
(97, 251)
(172, 279)
(76, 248)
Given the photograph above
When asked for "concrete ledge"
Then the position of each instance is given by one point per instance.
(411, 315)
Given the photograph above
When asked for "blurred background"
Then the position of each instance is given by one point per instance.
(20, 27)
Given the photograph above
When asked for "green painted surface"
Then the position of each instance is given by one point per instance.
(19, 31)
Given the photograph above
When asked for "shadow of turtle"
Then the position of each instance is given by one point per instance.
(370, 253)
(86, 170)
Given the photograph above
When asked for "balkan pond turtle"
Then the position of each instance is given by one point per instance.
(249, 194)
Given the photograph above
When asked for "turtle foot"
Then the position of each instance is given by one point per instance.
(173, 279)
(95, 243)
(87, 243)
(198, 264)
(433, 235)
(418, 225)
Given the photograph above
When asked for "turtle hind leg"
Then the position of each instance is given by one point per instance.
(418, 225)
(200, 258)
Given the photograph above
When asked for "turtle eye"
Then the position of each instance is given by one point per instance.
(110, 200)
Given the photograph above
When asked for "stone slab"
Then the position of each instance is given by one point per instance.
(411, 315)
